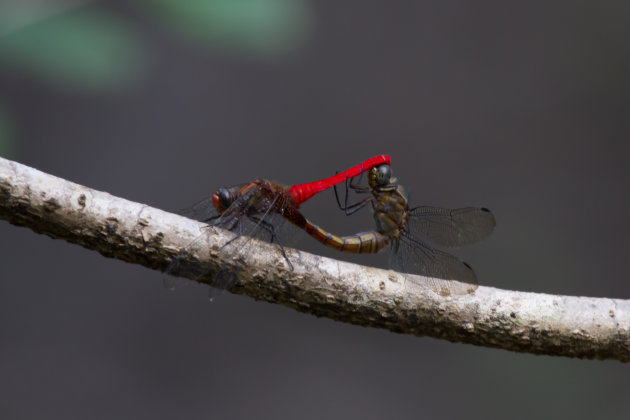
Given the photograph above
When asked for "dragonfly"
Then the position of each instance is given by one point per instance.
(410, 232)
(256, 209)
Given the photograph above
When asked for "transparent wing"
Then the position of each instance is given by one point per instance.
(269, 226)
(203, 211)
(450, 228)
(448, 275)
(184, 262)
(247, 221)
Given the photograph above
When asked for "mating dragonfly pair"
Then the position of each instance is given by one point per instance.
(261, 208)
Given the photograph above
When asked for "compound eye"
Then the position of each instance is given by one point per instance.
(225, 197)
(382, 174)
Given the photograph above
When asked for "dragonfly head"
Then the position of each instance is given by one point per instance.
(380, 176)
(222, 199)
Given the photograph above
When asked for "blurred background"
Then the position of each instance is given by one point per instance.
(519, 107)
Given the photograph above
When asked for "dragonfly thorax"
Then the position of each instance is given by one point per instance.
(390, 210)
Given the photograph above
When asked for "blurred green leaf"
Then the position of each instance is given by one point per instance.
(15, 14)
(243, 26)
(85, 49)
(6, 136)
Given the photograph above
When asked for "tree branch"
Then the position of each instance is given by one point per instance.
(117, 228)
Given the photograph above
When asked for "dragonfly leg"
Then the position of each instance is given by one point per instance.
(267, 226)
(337, 194)
(284, 254)
(210, 219)
(353, 208)
(272, 231)
(356, 188)
(337, 198)
(238, 235)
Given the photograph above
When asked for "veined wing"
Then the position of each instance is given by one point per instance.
(450, 227)
(185, 263)
(267, 225)
(447, 274)
(204, 210)
(244, 219)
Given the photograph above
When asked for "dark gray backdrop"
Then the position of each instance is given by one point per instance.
(523, 109)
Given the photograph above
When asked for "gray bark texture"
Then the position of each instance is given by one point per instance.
(585, 327)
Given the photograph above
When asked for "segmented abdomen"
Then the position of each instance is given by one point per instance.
(360, 243)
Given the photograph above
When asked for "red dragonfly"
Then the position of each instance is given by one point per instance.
(409, 232)
(258, 209)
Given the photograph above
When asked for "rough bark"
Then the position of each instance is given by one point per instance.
(527, 322)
